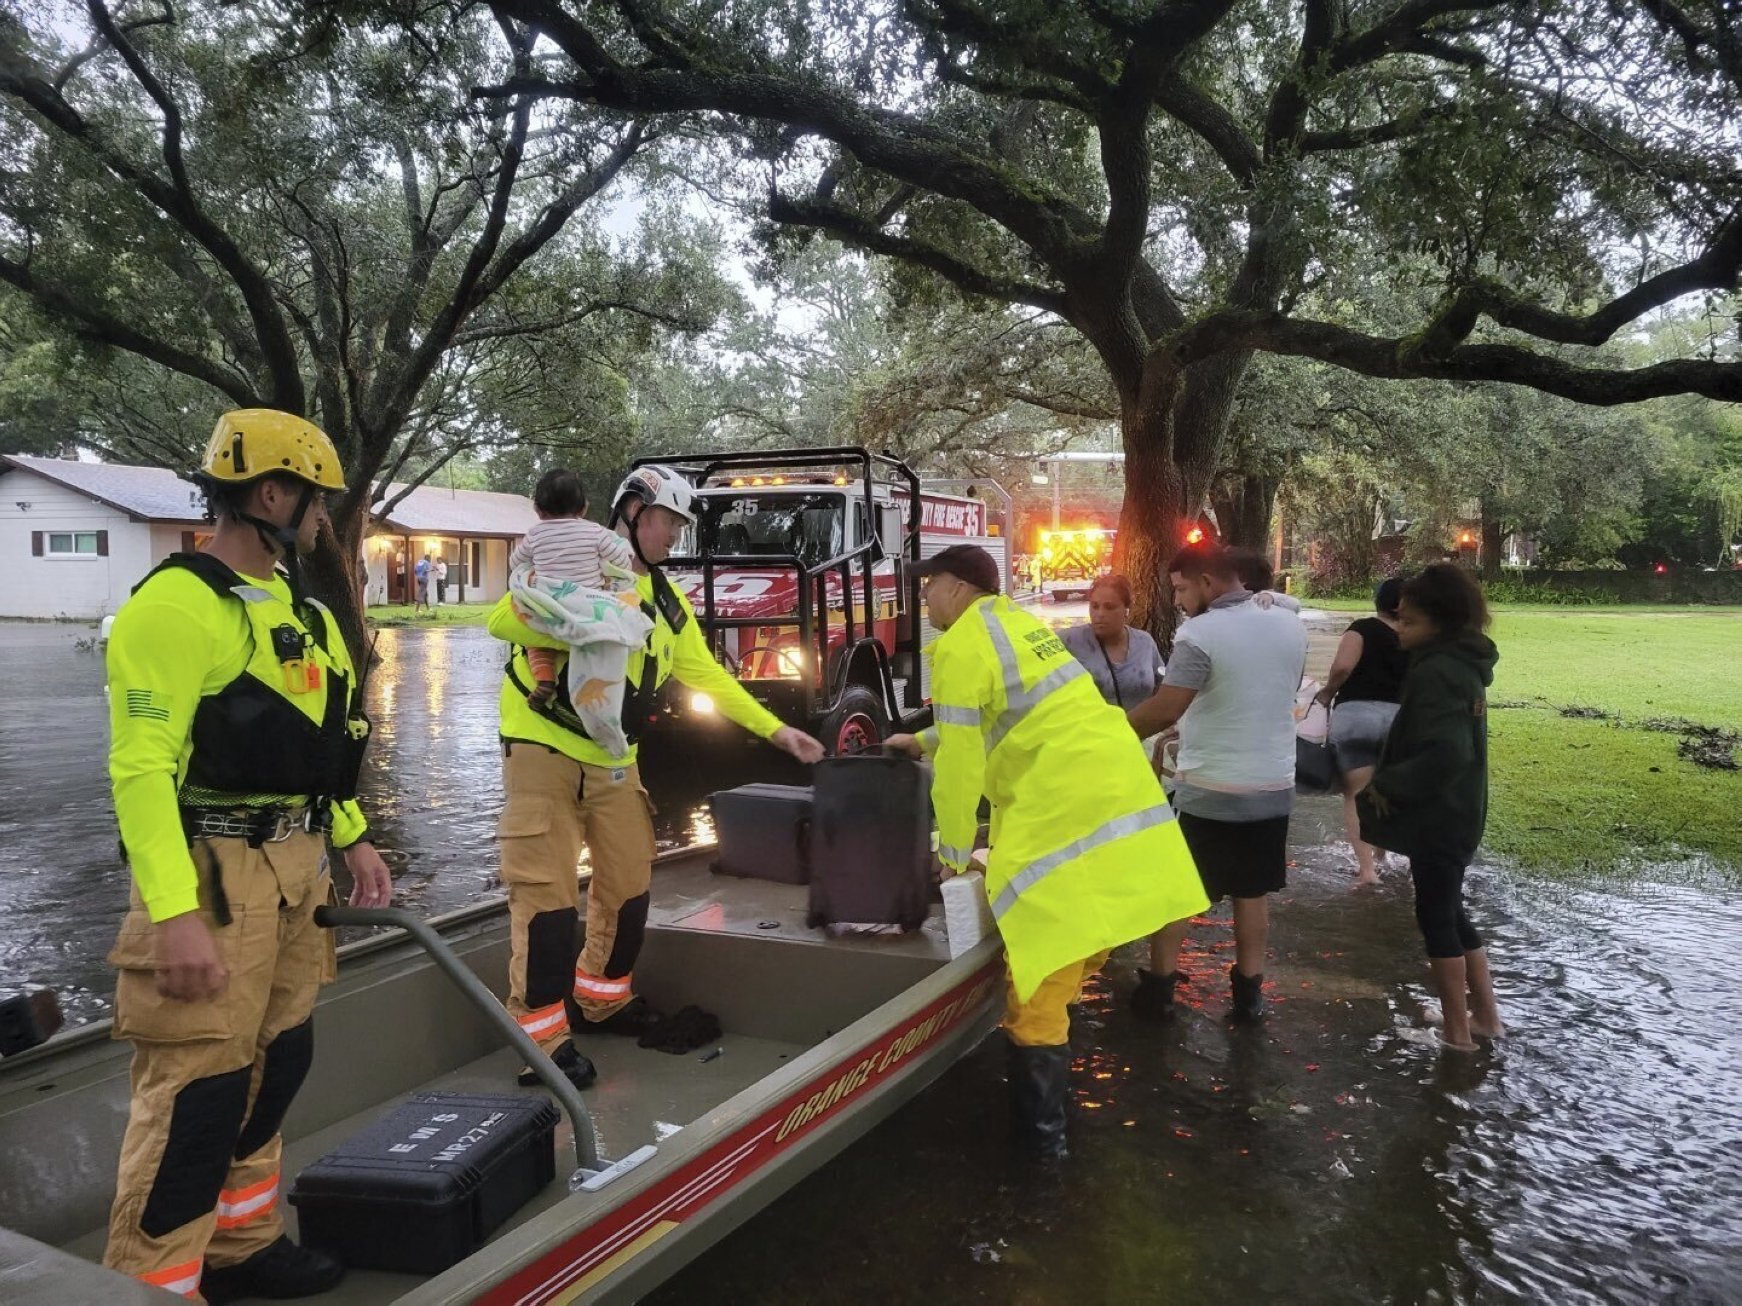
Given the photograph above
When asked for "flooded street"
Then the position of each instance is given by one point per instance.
(1330, 1155)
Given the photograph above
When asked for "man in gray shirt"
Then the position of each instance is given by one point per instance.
(1230, 686)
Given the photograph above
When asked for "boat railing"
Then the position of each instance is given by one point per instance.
(586, 1138)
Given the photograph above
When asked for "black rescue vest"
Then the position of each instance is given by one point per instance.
(251, 737)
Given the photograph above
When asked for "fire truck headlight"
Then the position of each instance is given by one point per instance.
(701, 703)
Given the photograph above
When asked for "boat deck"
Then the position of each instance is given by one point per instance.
(640, 1095)
(737, 947)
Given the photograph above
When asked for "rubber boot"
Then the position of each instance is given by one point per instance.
(1248, 995)
(279, 1272)
(1039, 1084)
(1153, 998)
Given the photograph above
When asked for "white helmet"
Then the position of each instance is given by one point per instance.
(656, 486)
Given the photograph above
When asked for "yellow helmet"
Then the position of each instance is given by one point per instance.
(249, 443)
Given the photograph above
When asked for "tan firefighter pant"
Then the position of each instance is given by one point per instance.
(554, 806)
(199, 1174)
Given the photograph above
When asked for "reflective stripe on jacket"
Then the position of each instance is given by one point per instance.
(1085, 851)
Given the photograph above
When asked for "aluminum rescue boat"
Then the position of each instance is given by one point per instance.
(824, 1037)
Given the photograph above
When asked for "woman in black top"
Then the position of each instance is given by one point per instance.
(1363, 688)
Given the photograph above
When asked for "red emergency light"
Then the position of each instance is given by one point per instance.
(1195, 535)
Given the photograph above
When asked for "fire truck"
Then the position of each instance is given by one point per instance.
(1070, 560)
(798, 569)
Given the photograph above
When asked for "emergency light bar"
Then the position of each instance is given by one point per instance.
(758, 482)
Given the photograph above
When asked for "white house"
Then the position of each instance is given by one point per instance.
(473, 530)
(77, 537)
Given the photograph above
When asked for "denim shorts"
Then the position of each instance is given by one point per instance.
(1358, 732)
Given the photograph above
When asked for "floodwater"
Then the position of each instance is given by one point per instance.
(1332, 1154)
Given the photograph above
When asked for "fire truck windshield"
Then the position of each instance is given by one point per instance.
(805, 525)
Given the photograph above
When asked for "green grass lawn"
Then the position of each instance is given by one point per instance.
(1605, 794)
(448, 614)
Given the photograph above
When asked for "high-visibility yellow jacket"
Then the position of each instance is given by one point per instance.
(1085, 851)
(683, 653)
(179, 657)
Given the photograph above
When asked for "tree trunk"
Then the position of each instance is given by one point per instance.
(333, 573)
(1493, 540)
(1152, 526)
(1244, 505)
(1173, 429)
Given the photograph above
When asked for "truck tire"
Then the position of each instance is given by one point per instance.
(857, 723)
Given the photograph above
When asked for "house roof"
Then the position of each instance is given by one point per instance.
(437, 510)
(158, 494)
(143, 493)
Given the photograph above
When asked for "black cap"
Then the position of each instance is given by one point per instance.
(966, 562)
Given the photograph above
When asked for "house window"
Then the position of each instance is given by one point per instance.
(72, 544)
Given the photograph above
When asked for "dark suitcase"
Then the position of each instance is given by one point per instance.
(871, 860)
(763, 832)
(424, 1186)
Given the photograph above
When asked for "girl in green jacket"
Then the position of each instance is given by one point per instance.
(1428, 799)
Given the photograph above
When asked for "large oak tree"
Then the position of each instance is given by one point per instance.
(1172, 177)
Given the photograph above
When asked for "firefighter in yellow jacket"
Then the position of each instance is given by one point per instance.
(237, 735)
(1084, 852)
(562, 790)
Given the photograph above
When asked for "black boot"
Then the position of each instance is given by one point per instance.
(278, 1272)
(1153, 998)
(572, 1062)
(1039, 1084)
(1248, 995)
(633, 1019)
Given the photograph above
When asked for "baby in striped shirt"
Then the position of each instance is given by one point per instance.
(564, 546)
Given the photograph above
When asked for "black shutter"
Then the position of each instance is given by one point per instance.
(36, 544)
(187, 542)
(102, 544)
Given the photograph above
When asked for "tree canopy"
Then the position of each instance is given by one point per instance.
(1174, 179)
(312, 212)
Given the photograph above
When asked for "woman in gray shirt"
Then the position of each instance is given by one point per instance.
(1124, 661)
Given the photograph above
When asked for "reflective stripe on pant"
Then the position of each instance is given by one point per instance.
(1044, 1021)
(555, 805)
(211, 1081)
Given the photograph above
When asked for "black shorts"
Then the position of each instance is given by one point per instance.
(1238, 859)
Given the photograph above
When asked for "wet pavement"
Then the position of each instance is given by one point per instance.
(1332, 1154)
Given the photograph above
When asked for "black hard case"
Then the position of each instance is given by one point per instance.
(424, 1186)
(763, 832)
(871, 860)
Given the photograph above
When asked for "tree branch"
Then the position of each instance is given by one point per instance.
(854, 230)
(1396, 358)
(898, 144)
(103, 328)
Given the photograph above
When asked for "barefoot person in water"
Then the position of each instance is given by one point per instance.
(1428, 798)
